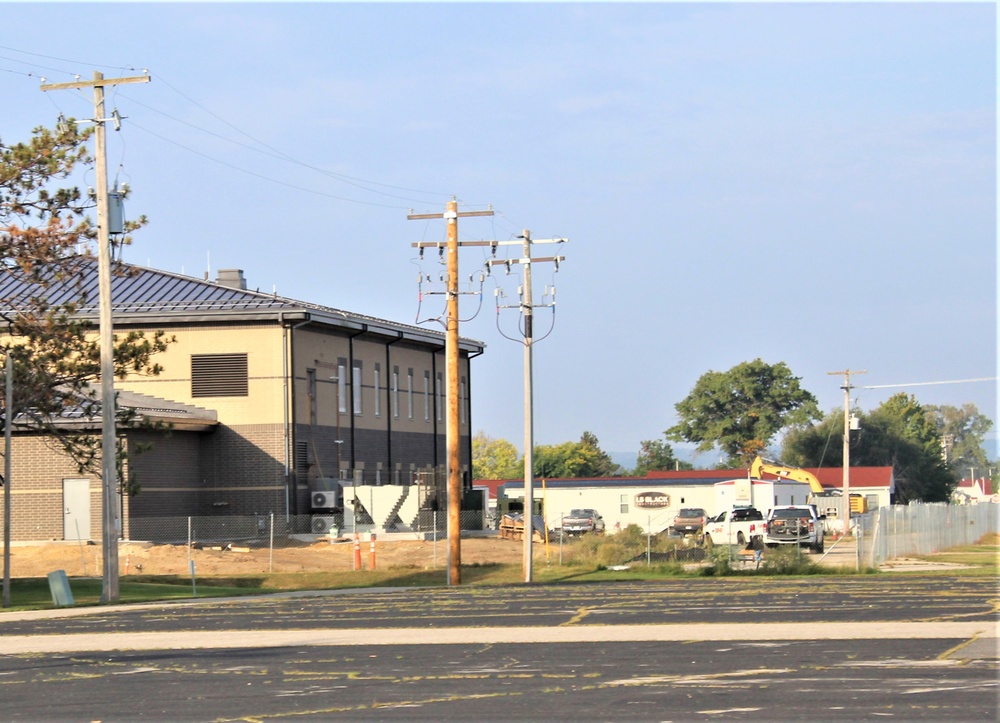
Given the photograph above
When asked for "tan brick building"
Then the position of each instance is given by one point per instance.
(269, 399)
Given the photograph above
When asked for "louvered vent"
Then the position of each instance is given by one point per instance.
(219, 375)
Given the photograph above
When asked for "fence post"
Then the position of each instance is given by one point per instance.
(270, 547)
(649, 532)
(189, 539)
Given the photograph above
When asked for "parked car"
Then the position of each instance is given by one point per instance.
(577, 522)
(795, 525)
(689, 521)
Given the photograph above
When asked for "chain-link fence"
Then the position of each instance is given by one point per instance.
(921, 529)
(278, 530)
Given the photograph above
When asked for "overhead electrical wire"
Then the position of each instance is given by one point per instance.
(925, 384)
(363, 184)
(260, 175)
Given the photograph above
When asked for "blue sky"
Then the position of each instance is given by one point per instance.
(812, 184)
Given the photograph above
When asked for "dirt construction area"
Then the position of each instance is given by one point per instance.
(139, 558)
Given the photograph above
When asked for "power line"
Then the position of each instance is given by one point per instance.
(925, 384)
(260, 175)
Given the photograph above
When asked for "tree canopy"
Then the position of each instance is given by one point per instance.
(741, 410)
(574, 459)
(899, 433)
(55, 352)
(498, 459)
(494, 458)
(962, 431)
(657, 455)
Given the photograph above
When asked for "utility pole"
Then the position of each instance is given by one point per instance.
(846, 373)
(109, 499)
(527, 308)
(452, 429)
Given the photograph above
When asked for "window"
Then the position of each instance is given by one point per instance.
(342, 388)
(461, 400)
(377, 406)
(427, 396)
(437, 396)
(623, 504)
(409, 394)
(395, 392)
(356, 388)
(219, 375)
(311, 383)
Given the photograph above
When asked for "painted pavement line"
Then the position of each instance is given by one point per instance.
(696, 632)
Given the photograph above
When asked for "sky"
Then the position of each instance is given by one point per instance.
(813, 184)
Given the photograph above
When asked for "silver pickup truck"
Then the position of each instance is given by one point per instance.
(794, 524)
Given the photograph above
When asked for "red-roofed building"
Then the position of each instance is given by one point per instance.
(877, 484)
(973, 490)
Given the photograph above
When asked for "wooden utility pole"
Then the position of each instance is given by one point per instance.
(527, 307)
(452, 428)
(846, 373)
(109, 497)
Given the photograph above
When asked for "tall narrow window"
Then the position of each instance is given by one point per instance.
(409, 394)
(427, 396)
(377, 406)
(438, 386)
(461, 400)
(341, 388)
(356, 388)
(395, 392)
(311, 384)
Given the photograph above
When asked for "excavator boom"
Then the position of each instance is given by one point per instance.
(760, 466)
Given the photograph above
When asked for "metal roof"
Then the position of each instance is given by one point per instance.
(148, 296)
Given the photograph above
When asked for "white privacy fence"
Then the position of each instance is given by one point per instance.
(921, 529)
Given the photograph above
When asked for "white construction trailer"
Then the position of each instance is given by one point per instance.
(762, 494)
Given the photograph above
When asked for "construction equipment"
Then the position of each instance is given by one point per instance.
(760, 466)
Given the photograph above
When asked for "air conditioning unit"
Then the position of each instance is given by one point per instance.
(325, 500)
(323, 525)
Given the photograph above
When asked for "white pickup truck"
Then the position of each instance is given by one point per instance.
(743, 526)
(794, 525)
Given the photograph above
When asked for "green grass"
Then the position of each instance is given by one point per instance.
(33, 593)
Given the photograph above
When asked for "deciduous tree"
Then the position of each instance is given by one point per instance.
(962, 431)
(494, 458)
(898, 433)
(574, 459)
(741, 410)
(657, 455)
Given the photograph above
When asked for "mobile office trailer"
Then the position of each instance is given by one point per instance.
(762, 494)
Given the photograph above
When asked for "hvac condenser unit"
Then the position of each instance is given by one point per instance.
(323, 525)
(325, 500)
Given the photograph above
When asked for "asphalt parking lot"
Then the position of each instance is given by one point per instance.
(909, 647)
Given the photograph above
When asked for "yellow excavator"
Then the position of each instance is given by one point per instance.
(761, 466)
